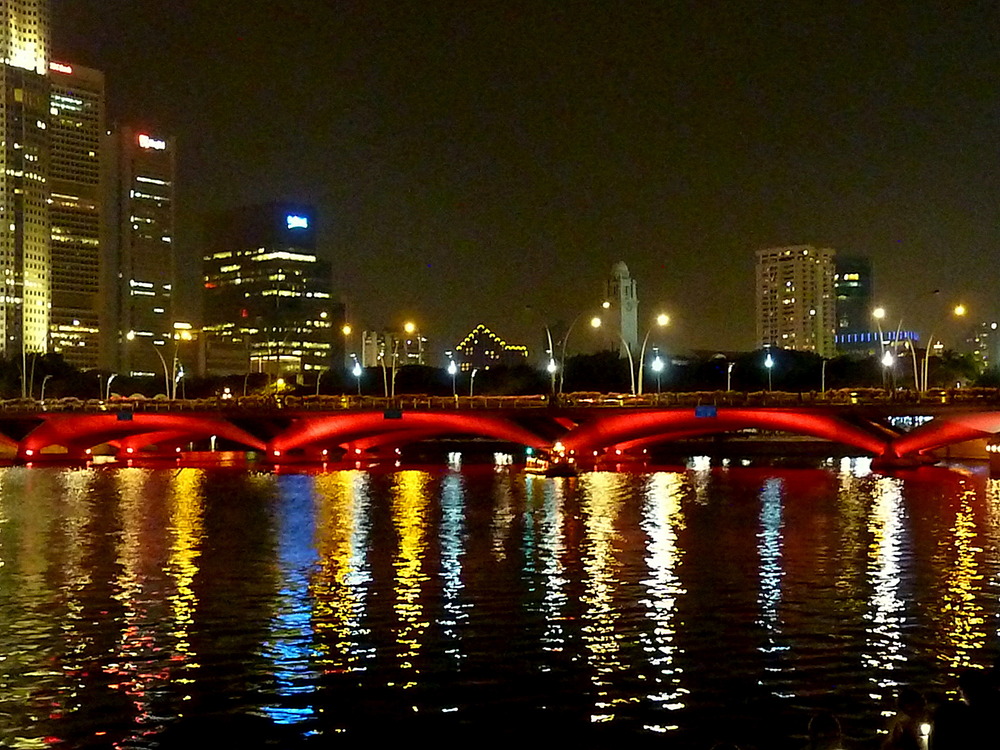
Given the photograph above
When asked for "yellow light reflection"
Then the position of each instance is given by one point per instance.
(187, 513)
(962, 620)
(337, 585)
(410, 497)
(600, 504)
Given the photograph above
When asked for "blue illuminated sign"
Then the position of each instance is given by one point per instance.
(297, 222)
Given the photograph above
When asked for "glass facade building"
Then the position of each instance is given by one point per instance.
(267, 296)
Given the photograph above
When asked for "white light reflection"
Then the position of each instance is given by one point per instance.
(769, 540)
(662, 518)
(290, 647)
(884, 648)
(859, 466)
(551, 550)
(700, 472)
(452, 550)
(503, 515)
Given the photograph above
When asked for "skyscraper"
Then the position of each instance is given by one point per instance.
(268, 306)
(621, 305)
(141, 253)
(796, 304)
(24, 152)
(77, 186)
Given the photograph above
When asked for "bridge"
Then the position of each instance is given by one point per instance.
(584, 427)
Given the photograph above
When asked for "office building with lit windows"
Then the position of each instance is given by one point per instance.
(77, 187)
(267, 300)
(796, 301)
(25, 263)
(141, 251)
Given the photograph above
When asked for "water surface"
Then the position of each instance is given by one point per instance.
(148, 608)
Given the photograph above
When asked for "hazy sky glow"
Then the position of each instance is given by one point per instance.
(489, 161)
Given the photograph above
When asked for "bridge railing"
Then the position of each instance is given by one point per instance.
(584, 400)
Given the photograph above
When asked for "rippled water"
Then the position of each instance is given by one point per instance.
(152, 608)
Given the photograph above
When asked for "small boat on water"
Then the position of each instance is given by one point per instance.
(547, 467)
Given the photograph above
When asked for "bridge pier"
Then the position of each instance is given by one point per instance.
(893, 462)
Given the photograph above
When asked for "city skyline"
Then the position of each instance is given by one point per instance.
(471, 164)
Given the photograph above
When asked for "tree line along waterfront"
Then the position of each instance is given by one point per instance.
(49, 376)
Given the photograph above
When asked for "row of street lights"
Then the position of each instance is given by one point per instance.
(554, 366)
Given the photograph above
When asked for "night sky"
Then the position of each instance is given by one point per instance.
(488, 162)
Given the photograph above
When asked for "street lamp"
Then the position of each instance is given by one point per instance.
(356, 371)
(879, 314)
(472, 380)
(408, 328)
(595, 322)
(662, 320)
(769, 364)
(887, 362)
(657, 368)
(729, 376)
(453, 371)
(551, 369)
(347, 330)
(44, 381)
(110, 380)
(958, 311)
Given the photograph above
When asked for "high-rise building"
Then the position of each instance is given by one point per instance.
(24, 194)
(77, 186)
(621, 305)
(796, 302)
(268, 306)
(852, 283)
(984, 344)
(141, 251)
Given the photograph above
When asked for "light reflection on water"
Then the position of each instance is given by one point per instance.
(137, 605)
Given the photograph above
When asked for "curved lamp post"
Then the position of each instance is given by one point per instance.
(657, 368)
(887, 361)
(356, 372)
(958, 311)
(409, 328)
(453, 371)
(595, 322)
(662, 320)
